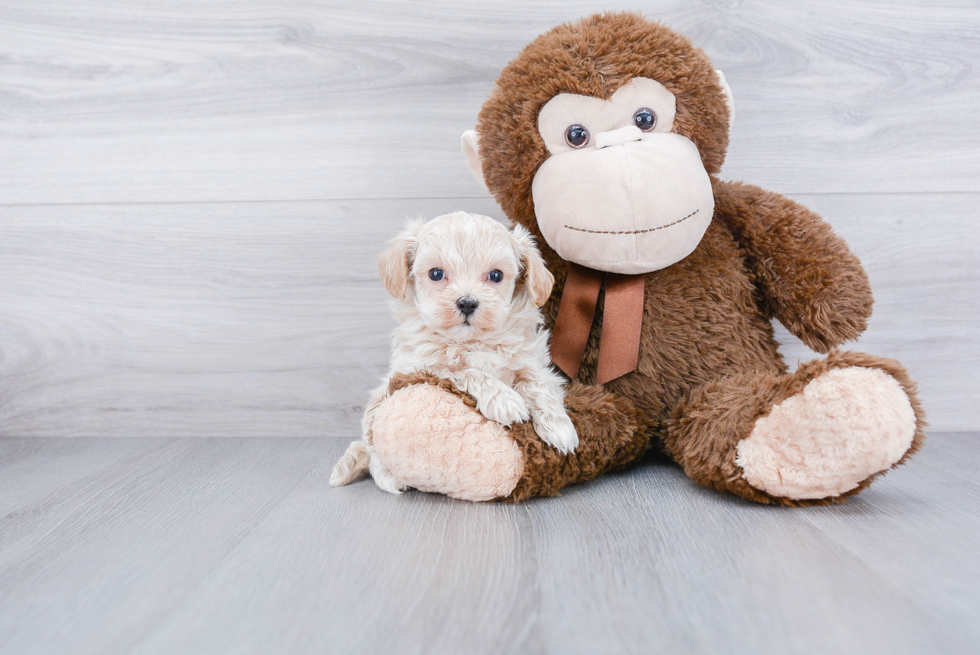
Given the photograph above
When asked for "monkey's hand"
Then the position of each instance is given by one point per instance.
(810, 279)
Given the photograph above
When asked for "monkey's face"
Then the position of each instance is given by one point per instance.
(601, 136)
(620, 191)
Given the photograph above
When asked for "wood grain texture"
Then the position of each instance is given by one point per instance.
(239, 546)
(113, 101)
(265, 319)
(33, 468)
(143, 529)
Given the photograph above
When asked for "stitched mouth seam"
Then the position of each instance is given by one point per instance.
(652, 229)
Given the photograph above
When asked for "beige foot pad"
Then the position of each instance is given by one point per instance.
(844, 427)
(433, 441)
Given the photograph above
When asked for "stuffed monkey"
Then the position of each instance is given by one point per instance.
(604, 139)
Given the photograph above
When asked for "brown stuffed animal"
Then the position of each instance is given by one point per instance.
(604, 138)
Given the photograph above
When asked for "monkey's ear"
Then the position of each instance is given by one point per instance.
(395, 264)
(729, 98)
(537, 277)
(471, 150)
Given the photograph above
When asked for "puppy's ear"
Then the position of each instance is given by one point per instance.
(395, 264)
(537, 277)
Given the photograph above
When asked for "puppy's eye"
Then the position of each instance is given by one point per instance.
(645, 119)
(436, 274)
(576, 136)
(495, 276)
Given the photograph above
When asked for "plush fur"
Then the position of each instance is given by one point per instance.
(843, 427)
(709, 372)
(423, 448)
(595, 57)
(459, 322)
(703, 432)
(452, 449)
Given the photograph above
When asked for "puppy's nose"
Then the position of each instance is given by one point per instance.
(467, 305)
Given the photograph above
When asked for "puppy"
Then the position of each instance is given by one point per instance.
(467, 292)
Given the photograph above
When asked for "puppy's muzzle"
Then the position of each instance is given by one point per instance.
(467, 305)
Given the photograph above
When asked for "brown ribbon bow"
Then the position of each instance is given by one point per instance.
(622, 317)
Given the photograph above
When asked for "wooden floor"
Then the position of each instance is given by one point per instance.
(239, 546)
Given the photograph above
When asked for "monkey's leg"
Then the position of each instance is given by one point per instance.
(811, 437)
(430, 435)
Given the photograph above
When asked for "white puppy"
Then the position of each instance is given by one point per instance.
(467, 292)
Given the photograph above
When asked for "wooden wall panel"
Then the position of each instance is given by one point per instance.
(269, 319)
(114, 101)
(192, 195)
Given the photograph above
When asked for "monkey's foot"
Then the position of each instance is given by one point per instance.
(431, 437)
(844, 427)
(815, 436)
(433, 441)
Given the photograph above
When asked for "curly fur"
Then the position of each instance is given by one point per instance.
(497, 351)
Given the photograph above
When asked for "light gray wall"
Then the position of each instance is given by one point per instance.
(192, 193)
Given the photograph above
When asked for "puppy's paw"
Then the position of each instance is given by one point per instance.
(390, 484)
(556, 429)
(351, 466)
(384, 479)
(503, 405)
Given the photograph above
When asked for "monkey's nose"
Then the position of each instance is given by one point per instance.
(618, 137)
(467, 305)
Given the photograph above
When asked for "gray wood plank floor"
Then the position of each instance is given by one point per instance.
(189, 546)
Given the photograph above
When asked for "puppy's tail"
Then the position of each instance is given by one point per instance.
(351, 466)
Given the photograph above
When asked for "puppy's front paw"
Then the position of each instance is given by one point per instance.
(504, 405)
(556, 429)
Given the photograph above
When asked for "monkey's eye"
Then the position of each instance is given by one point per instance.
(495, 276)
(576, 136)
(645, 119)
(436, 274)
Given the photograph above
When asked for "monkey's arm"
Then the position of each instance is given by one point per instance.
(811, 280)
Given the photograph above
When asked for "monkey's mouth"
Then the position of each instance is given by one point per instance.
(652, 229)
